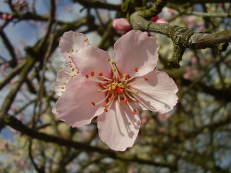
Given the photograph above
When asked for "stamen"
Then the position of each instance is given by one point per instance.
(130, 97)
(145, 78)
(87, 76)
(109, 102)
(93, 103)
(132, 90)
(101, 91)
(125, 99)
(133, 111)
(96, 79)
(127, 76)
(92, 73)
(103, 85)
(131, 78)
(105, 78)
(101, 101)
(136, 69)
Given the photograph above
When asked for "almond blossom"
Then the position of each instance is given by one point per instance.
(114, 91)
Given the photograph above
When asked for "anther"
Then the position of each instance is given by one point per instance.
(92, 73)
(86, 75)
(145, 78)
(125, 99)
(100, 74)
(93, 103)
(136, 69)
(127, 76)
(134, 112)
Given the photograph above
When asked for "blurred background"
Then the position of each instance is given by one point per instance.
(193, 138)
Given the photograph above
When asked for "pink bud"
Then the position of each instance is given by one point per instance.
(121, 24)
(161, 20)
(157, 19)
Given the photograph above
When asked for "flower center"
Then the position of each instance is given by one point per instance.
(115, 87)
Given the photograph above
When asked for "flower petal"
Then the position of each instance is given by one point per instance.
(118, 127)
(91, 59)
(72, 42)
(75, 106)
(67, 71)
(157, 91)
(136, 53)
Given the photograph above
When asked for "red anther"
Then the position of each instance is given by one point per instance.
(125, 99)
(127, 76)
(105, 104)
(110, 99)
(134, 112)
(100, 74)
(119, 90)
(137, 101)
(92, 73)
(86, 75)
(93, 103)
(136, 69)
(105, 110)
(102, 84)
(145, 78)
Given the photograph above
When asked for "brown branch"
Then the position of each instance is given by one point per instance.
(97, 4)
(19, 126)
(181, 35)
(11, 75)
(197, 1)
(10, 48)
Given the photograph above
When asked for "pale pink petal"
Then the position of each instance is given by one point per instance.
(136, 53)
(76, 106)
(65, 73)
(157, 91)
(72, 42)
(61, 81)
(121, 24)
(118, 127)
(91, 59)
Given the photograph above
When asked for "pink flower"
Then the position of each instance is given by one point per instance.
(114, 91)
(121, 24)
